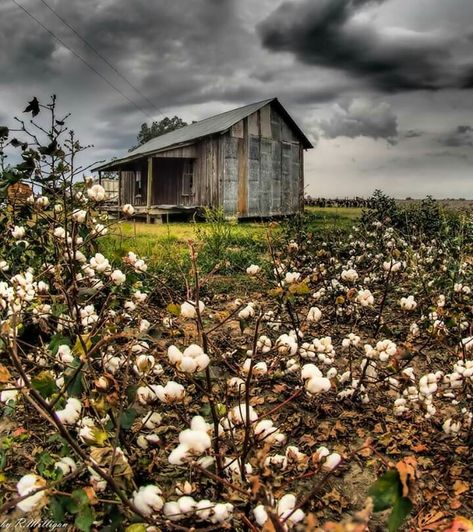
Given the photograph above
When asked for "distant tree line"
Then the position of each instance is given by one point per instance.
(337, 202)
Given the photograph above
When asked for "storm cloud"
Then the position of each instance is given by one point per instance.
(381, 85)
(361, 117)
(341, 34)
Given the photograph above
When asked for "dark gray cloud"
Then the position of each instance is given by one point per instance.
(338, 34)
(198, 58)
(361, 117)
(461, 136)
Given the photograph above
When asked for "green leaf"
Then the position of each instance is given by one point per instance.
(57, 507)
(174, 309)
(401, 509)
(127, 419)
(85, 519)
(58, 340)
(137, 527)
(78, 348)
(77, 501)
(44, 383)
(386, 491)
(76, 386)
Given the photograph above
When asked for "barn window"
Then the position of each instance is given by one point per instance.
(138, 183)
(188, 178)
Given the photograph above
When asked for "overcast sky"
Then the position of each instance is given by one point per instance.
(383, 88)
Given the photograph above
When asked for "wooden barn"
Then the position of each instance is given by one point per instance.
(248, 161)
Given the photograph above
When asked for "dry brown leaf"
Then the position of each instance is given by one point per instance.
(90, 492)
(430, 520)
(460, 487)
(407, 473)
(4, 374)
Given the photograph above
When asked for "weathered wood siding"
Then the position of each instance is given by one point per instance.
(263, 167)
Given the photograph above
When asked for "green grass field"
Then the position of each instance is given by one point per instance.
(166, 245)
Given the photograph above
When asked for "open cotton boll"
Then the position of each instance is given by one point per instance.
(247, 312)
(309, 371)
(408, 303)
(128, 209)
(152, 420)
(253, 269)
(221, 512)
(349, 276)
(66, 465)
(198, 423)
(316, 385)
(260, 515)
(172, 511)
(70, 414)
(265, 430)
(196, 440)
(236, 385)
(96, 193)
(314, 314)
(27, 484)
(64, 354)
(179, 455)
(188, 309)
(321, 453)
(204, 509)
(259, 369)
(237, 414)
(148, 499)
(332, 461)
(173, 392)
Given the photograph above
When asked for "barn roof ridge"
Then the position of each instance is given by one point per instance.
(207, 126)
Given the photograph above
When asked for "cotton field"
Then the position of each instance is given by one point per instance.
(331, 390)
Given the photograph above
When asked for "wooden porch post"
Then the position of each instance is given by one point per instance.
(149, 189)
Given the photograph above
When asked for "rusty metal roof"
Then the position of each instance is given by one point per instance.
(209, 126)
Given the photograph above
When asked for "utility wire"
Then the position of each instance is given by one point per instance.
(76, 54)
(99, 54)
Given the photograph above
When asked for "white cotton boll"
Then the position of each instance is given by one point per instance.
(253, 269)
(173, 392)
(349, 276)
(260, 515)
(148, 500)
(365, 298)
(64, 354)
(66, 465)
(247, 312)
(128, 209)
(196, 440)
(18, 232)
(193, 351)
(172, 511)
(321, 453)
(259, 369)
(79, 216)
(96, 193)
(198, 423)
(309, 371)
(188, 309)
(292, 277)
(297, 516)
(174, 355)
(286, 503)
(152, 420)
(27, 484)
(236, 385)
(332, 461)
(408, 303)
(204, 509)
(264, 344)
(314, 315)
(451, 427)
(186, 504)
(118, 277)
(317, 385)
(332, 373)
(8, 395)
(188, 365)
(237, 414)
(222, 512)
(71, 412)
(179, 455)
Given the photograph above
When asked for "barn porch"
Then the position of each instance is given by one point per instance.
(158, 187)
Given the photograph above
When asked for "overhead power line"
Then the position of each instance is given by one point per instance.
(99, 54)
(76, 54)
